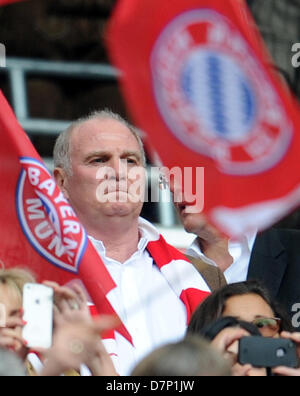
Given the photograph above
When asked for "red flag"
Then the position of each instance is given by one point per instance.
(197, 79)
(39, 229)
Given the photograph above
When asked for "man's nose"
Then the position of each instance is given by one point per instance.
(119, 167)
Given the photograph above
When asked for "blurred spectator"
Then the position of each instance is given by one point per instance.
(76, 338)
(11, 297)
(11, 365)
(225, 334)
(248, 302)
(191, 357)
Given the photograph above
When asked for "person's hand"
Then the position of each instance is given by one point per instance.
(101, 365)
(79, 343)
(227, 342)
(75, 328)
(227, 337)
(11, 338)
(71, 304)
(288, 371)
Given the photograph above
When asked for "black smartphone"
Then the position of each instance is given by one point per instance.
(268, 352)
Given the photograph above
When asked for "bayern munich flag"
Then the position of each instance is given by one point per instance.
(198, 80)
(39, 229)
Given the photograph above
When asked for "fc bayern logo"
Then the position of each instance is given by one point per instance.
(47, 220)
(215, 97)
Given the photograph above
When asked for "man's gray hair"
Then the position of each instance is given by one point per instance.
(61, 152)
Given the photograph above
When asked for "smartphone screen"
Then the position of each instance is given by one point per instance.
(38, 313)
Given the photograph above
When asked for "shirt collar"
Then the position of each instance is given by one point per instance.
(195, 249)
(148, 233)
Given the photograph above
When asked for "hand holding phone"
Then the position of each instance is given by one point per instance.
(38, 313)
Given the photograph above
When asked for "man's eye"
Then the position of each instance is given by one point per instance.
(131, 161)
(98, 160)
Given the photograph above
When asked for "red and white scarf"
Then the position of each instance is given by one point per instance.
(180, 274)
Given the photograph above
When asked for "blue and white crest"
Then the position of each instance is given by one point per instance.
(221, 94)
(214, 95)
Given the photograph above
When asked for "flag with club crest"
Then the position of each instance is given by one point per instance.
(198, 80)
(39, 229)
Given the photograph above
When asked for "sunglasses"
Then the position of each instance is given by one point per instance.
(268, 327)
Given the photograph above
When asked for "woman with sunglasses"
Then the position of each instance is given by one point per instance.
(249, 301)
(245, 301)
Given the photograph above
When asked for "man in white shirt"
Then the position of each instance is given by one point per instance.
(94, 163)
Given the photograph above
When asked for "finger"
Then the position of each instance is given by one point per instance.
(285, 334)
(81, 295)
(7, 342)
(10, 333)
(291, 336)
(13, 322)
(106, 322)
(53, 285)
(231, 338)
(74, 305)
(241, 371)
(227, 337)
(66, 292)
(41, 351)
(64, 306)
(286, 371)
(12, 342)
(57, 317)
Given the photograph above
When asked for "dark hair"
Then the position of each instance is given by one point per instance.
(213, 306)
(212, 330)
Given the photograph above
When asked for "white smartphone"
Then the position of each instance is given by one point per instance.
(38, 313)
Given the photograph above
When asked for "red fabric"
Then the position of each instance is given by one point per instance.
(171, 261)
(159, 48)
(165, 252)
(6, 2)
(39, 230)
(192, 298)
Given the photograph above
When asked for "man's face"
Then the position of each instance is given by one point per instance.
(193, 222)
(106, 164)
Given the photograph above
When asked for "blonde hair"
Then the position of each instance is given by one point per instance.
(15, 279)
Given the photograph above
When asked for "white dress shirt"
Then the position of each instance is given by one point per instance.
(240, 252)
(146, 304)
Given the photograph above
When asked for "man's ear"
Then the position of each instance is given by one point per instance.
(60, 177)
